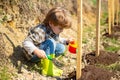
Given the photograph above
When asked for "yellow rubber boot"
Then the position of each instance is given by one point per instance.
(49, 69)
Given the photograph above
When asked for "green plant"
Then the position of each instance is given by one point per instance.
(4, 18)
(84, 41)
(114, 41)
(112, 48)
(94, 2)
(114, 67)
(4, 74)
(104, 18)
(113, 45)
(30, 5)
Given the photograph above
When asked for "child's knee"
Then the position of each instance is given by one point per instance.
(50, 41)
(60, 49)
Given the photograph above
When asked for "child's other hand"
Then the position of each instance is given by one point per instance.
(40, 53)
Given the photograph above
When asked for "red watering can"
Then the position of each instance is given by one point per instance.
(72, 47)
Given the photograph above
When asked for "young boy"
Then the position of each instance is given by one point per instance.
(44, 39)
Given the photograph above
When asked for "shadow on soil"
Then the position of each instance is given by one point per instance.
(18, 58)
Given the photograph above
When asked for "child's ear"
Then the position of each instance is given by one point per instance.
(50, 23)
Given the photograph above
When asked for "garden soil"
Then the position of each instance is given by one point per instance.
(92, 72)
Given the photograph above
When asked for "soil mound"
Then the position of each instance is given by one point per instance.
(92, 73)
(115, 33)
(105, 58)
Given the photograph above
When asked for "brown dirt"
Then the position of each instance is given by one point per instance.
(3, 58)
(105, 58)
(91, 72)
(116, 28)
(115, 33)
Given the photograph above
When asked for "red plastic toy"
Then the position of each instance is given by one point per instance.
(72, 47)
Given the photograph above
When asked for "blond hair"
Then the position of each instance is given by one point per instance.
(58, 16)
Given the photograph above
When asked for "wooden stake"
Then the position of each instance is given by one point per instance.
(79, 39)
(117, 11)
(113, 12)
(98, 27)
(109, 16)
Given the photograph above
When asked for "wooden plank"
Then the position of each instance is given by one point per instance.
(98, 27)
(79, 39)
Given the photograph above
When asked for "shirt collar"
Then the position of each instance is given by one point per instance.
(50, 32)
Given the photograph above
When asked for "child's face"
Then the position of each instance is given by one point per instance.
(56, 29)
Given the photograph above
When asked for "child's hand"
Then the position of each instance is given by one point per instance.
(70, 41)
(40, 53)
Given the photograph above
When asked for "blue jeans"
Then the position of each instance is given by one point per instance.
(50, 47)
